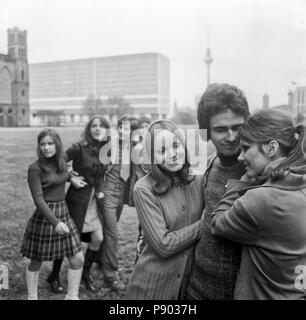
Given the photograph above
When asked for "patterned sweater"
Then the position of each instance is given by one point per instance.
(217, 260)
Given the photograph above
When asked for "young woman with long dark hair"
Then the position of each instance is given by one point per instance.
(51, 233)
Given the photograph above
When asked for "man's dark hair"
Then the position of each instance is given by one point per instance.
(219, 98)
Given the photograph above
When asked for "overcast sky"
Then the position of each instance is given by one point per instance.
(258, 45)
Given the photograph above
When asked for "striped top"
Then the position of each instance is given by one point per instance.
(171, 224)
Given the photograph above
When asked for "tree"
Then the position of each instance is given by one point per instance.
(118, 106)
(113, 106)
(93, 105)
(188, 116)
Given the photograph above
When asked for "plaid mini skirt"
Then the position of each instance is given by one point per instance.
(42, 243)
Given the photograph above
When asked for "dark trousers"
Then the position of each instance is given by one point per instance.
(112, 208)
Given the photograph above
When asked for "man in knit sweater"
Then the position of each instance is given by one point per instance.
(221, 111)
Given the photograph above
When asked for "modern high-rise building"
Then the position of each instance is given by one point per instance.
(14, 81)
(59, 89)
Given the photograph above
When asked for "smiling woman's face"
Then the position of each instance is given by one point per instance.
(169, 151)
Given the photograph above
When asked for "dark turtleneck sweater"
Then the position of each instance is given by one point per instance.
(217, 260)
(47, 186)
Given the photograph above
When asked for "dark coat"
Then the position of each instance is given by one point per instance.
(86, 163)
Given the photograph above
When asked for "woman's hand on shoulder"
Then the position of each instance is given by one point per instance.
(247, 178)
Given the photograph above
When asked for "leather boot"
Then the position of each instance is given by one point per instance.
(86, 277)
(54, 278)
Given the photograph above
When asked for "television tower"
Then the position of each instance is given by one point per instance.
(208, 60)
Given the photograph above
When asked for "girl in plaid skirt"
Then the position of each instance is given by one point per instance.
(51, 233)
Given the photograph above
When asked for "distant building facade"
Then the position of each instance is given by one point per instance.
(296, 106)
(298, 101)
(14, 81)
(59, 89)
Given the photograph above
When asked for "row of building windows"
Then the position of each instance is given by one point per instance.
(111, 91)
(78, 103)
(97, 68)
(87, 64)
(10, 112)
(102, 76)
(126, 82)
(127, 77)
(37, 87)
(79, 65)
(126, 88)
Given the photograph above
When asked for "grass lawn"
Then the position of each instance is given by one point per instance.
(17, 147)
(17, 152)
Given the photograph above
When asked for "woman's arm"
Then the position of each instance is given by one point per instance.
(236, 218)
(71, 154)
(165, 242)
(34, 181)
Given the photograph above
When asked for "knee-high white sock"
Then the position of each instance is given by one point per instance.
(32, 284)
(74, 279)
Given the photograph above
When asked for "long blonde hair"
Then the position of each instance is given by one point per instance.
(164, 180)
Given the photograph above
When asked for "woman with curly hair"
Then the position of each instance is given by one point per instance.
(84, 196)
